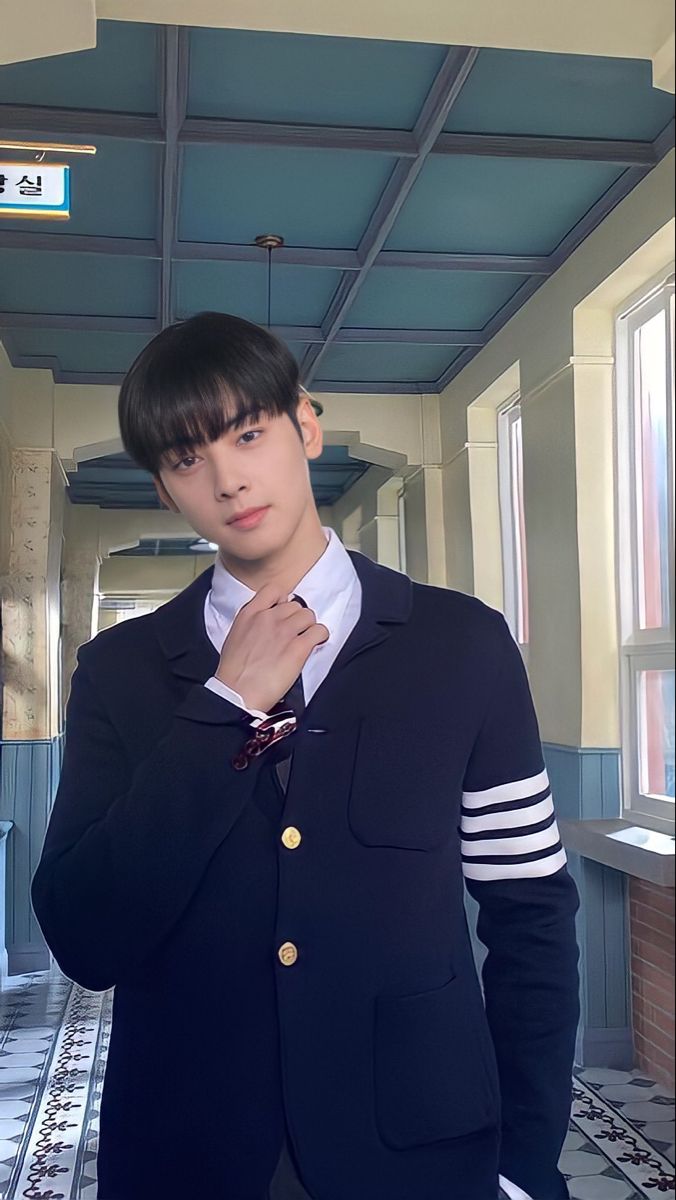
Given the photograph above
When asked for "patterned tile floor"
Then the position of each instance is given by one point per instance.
(53, 1045)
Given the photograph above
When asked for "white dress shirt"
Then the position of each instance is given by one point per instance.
(332, 589)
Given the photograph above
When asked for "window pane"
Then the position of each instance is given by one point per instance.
(650, 442)
(519, 527)
(656, 732)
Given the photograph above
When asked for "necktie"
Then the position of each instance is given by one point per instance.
(294, 699)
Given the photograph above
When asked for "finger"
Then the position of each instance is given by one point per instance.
(266, 597)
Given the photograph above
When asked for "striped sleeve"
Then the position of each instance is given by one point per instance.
(508, 825)
(515, 868)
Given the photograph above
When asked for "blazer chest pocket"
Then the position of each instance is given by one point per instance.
(435, 1070)
(405, 791)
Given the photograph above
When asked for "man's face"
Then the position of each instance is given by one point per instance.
(261, 464)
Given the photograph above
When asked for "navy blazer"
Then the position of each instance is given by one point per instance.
(162, 876)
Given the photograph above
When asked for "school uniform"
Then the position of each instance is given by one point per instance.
(296, 1008)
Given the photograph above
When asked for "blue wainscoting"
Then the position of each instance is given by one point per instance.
(586, 785)
(29, 777)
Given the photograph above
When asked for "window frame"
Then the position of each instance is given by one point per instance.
(639, 649)
(509, 533)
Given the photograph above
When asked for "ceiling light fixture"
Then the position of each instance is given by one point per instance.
(44, 147)
(270, 242)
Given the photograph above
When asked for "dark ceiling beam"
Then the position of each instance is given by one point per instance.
(300, 256)
(426, 260)
(446, 88)
(79, 243)
(664, 142)
(307, 334)
(624, 153)
(85, 321)
(402, 144)
(44, 362)
(36, 121)
(359, 387)
(413, 337)
(297, 256)
(216, 131)
(79, 124)
(598, 212)
(173, 44)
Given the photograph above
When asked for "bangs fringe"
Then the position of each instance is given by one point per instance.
(199, 378)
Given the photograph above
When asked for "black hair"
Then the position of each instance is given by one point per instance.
(199, 378)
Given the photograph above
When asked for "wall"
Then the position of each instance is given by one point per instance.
(652, 978)
(608, 27)
(541, 338)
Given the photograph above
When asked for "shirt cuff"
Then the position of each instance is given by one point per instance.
(228, 693)
(511, 1190)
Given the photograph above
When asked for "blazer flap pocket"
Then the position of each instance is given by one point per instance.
(435, 1074)
(405, 789)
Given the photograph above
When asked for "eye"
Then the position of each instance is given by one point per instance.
(249, 433)
(186, 458)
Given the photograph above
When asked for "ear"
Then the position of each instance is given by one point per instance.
(164, 495)
(313, 438)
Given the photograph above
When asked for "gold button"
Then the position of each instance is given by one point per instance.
(291, 837)
(287, 954)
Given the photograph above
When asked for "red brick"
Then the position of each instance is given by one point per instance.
(653, 919)
(644, 992)
(652, 937)
(657, 1036)
(649, 970)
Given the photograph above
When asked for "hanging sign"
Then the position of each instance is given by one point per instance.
(35, 190)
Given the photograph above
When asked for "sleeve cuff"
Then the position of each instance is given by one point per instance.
(228, 693)
(208, 707)
(510, 1189)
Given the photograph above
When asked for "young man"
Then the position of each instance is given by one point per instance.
(273, 791)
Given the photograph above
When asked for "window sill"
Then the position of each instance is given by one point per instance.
(595, 840)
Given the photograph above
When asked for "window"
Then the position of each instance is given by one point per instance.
(401, 527)
(645, 503)
(512, 519)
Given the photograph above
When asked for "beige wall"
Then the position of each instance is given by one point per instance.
(561, 342)
(5, 464)
(608, 27)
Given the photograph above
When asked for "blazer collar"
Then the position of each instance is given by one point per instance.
(387, 598)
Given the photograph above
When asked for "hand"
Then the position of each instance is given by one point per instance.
(269, 643)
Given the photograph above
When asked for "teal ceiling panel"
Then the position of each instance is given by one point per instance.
(381, 363)
(113, 192)
(560, 95)
(299, 295)
(118, 75)
(413, 299)
(298, 349)
(498, 205)
(79, 350)
(312, 198)
(84, 284)
(256, 76)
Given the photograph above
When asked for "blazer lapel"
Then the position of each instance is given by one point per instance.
(181, 632)
(179, 625)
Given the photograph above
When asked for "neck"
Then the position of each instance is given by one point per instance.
(288, 565)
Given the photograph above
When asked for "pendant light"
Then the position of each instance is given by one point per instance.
(270, 242)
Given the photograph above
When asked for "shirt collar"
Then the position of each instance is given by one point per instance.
(325, 588)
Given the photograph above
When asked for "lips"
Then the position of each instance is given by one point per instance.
(248, 518)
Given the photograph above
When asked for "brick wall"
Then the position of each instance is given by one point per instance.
(652, 978)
